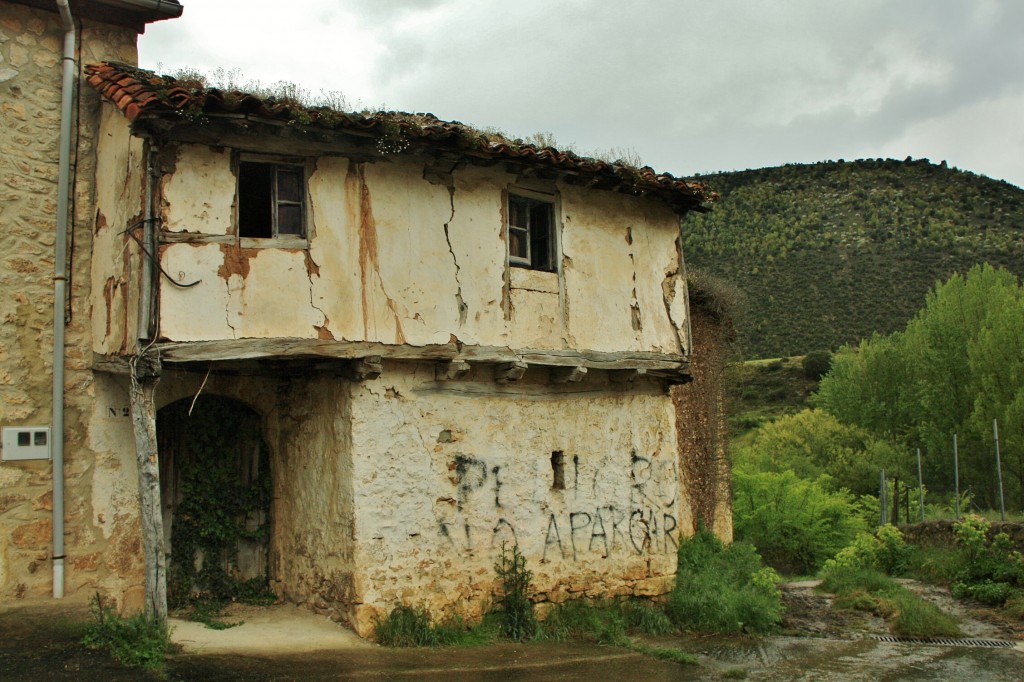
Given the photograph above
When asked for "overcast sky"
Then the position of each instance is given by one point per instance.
(690, 87)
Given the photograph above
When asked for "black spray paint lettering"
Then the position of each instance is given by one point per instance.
(470, 475)
(598, 523)
(573, 527)
(555, 539)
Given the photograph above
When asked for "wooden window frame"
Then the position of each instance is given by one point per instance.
(543, 262)
(301, 166)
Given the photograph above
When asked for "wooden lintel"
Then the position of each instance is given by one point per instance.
(111, 364)
(453, 369)
(286, 348)
(507, 372)
(567, 375)
(368, 368)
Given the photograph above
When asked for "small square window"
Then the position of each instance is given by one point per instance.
(270, 200)
(531, 233)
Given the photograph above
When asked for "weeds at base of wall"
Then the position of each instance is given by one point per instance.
(723, 589)
(136, 641)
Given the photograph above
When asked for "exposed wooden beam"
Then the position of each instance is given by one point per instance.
(506, 372)
(566, 375)
(448, 371)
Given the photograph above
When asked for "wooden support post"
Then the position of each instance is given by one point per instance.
(145, 373)
(506, 372)
(566, 375)
(365, 369)
(448, 371)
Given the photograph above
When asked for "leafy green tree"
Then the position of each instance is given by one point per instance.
(958, 365)
(812, 444)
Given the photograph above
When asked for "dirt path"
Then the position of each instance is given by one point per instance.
(41, 641)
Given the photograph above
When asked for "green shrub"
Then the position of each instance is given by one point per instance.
(515, 610)
(986, 562)
(987, 592)
(795, 524)
(816, 364)
(137, 641)
(723, 589)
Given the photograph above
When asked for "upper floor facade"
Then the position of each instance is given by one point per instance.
(278, 231)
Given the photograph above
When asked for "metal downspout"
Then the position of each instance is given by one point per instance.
(60, 294)
(147, 293)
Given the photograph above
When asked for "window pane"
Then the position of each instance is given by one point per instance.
(540, 236)
(518, 243)
(518, 212)
(289, 185)
(255, 191)
(289, 219)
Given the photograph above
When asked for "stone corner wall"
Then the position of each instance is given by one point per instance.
(99, 538)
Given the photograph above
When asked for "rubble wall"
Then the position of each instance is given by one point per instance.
(102, 538)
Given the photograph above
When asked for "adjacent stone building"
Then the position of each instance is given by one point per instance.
(406, 344)
(101, 530)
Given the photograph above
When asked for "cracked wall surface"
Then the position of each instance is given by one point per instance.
(398, 259)
(442, 474)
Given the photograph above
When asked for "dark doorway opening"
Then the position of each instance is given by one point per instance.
(216, 493)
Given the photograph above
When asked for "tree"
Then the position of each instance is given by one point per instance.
(958, 365)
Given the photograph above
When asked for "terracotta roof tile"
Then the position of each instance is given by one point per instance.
(139, 93)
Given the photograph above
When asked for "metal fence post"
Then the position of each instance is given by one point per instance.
(920, 484)
(999, 470)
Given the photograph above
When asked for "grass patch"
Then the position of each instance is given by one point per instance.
(605, 622)
(408, 626)
(136, 641)
(723, 589)
(908, 615)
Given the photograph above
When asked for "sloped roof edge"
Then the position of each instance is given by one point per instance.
(139, 94)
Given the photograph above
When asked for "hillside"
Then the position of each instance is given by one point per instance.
(828, 253)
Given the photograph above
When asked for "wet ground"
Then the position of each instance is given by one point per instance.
(40, 641)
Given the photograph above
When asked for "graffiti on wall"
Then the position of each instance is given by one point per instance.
(643, 523)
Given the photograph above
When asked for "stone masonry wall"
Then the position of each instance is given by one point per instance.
(445, 472)
(98, 543)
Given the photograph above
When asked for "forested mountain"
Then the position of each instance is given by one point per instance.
(828, 253)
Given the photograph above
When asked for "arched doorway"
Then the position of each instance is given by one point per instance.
(216, 494)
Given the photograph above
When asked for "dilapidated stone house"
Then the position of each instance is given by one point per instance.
(411, 342)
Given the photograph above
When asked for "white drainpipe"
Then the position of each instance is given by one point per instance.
(60, 279)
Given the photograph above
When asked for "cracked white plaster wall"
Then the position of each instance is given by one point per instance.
(334, 206)
(199, 312)
(600, 283)
(199, 195)
(431, 511)
(256, 307)
(475, 235)
(415, 269)
(119, 163)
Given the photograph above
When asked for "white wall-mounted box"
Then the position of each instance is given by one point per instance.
(26, 442)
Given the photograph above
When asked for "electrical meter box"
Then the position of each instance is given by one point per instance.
(26, 442)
